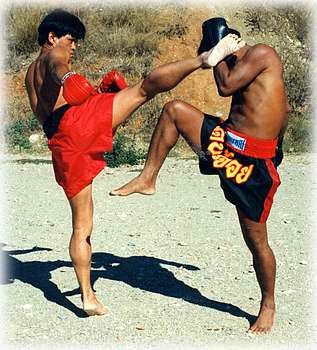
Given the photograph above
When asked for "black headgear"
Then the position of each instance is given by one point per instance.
(214, 29)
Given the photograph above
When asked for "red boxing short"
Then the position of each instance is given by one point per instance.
(83, 133)
(245, 165)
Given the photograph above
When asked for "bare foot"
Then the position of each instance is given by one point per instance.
(93, 308)
(226, 46)
(264, 322)
(137, 185)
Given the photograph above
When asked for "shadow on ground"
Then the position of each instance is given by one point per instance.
(142, 272)
(37, 274)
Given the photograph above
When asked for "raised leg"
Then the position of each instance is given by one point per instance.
(255, 236)
(166, 77)
(162, 78)
(80, 249)
(177, 118)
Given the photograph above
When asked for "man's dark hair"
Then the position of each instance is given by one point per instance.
(61, 23)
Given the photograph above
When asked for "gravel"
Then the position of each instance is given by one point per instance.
(172, 268)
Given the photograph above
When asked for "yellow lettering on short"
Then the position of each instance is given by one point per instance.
(220, 161)
(215, 148)
(244, 174)
(218, 134)
(233, 168)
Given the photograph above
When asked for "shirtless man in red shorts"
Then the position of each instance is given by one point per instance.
(80, 121)
(244, 150)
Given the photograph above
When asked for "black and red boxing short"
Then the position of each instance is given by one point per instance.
(78, 137)
(246, 167)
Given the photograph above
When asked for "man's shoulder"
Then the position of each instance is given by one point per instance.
(57, 54)
(31, 66)
(264, 51)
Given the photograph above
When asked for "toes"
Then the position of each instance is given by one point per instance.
(251, 329)
(241, 43)
(93, 312)
(99, 310)
(116, 192)
(258, 330)
(113, 193)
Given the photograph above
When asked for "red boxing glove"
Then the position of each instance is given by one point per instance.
(76, 88)
(112, 81)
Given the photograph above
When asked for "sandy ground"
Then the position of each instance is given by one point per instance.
(172, 268)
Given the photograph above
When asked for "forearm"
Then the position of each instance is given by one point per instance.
(222, 75)
(167, 76)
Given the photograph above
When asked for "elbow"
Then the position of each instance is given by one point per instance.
(224, 92)
(224, 88)
(223, 84)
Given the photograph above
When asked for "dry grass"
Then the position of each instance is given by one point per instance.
(124, 38)
(130, 38)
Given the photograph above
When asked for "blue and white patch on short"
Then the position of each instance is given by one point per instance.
(235, 141)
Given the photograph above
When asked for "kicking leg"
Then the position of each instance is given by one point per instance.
(80, 249)
(166, 77)
(255, 236)
(177, 118)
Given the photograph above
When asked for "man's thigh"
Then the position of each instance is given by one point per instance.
(125, 103)
(188, 121)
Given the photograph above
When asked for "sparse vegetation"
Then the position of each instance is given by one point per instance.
(127, 38)
(18, 132)
(125, 151)
(124, 38)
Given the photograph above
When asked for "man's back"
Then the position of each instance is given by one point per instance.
(44, 91)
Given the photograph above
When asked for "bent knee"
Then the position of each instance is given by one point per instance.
(174, 109)
(258, 243)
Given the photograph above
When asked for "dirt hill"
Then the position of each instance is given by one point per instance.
(199, 88)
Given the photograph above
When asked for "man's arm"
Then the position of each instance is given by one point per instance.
(57, 64)
(76, 88)
(29, 83)
(285, 121)
(254, 62)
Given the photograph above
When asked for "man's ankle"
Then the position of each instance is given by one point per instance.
(268, 303)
